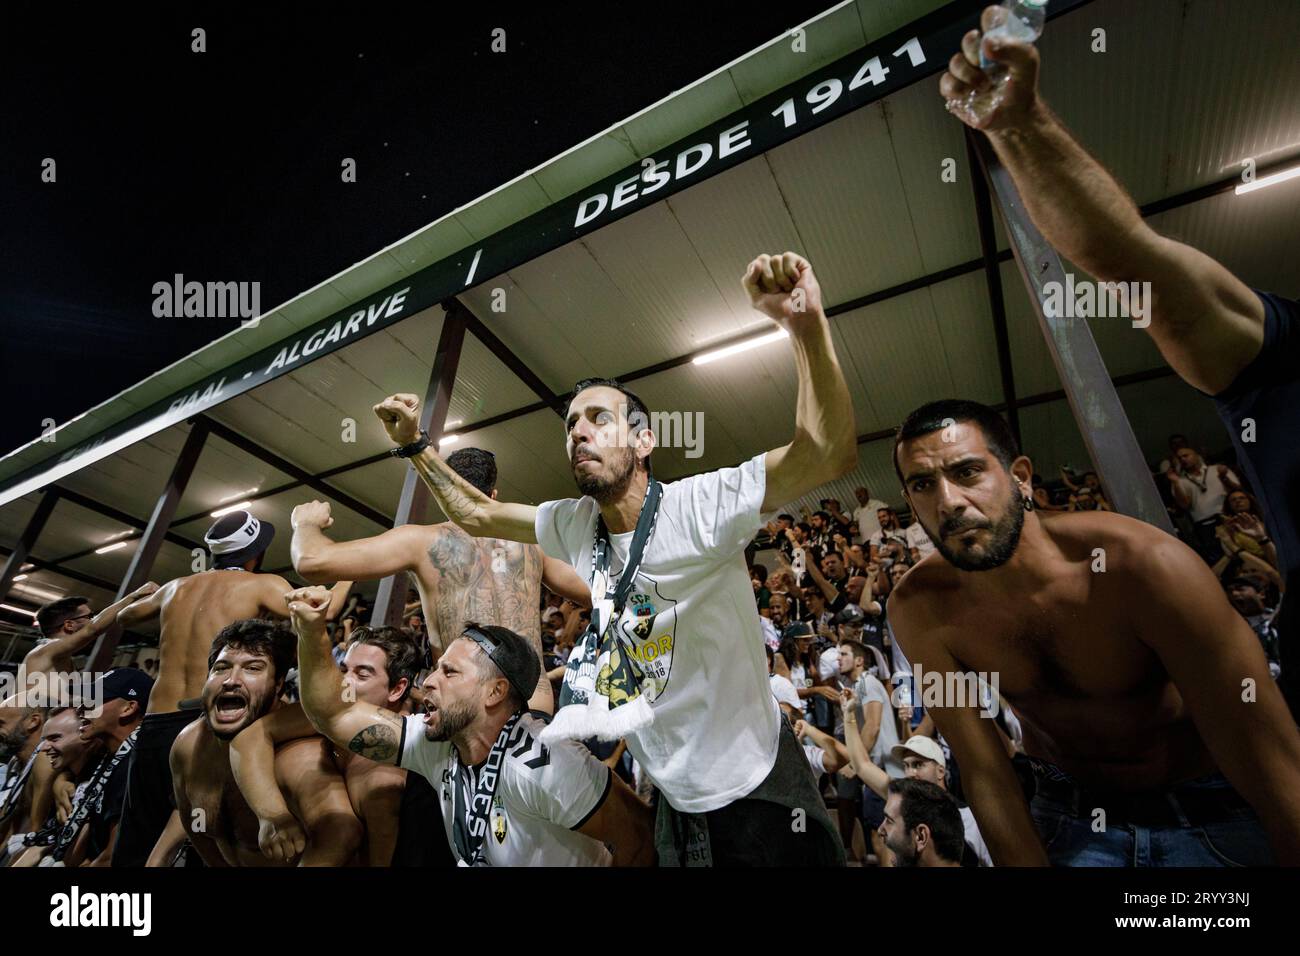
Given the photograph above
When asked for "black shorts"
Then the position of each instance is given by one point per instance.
(421, 835)
(150, 798)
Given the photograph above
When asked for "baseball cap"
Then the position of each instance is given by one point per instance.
(124, 683)
(511, 654)
(852, 614)
(920, 746)
(797, 629)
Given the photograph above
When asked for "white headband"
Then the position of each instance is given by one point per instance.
(238, 539)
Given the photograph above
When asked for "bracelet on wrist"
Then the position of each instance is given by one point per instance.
(413, 448)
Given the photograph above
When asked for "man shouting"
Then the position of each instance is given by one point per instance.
(673, 660)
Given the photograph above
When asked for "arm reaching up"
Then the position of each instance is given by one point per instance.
(42, 658)
(469, 508)
(784, 289)
(1207, 324)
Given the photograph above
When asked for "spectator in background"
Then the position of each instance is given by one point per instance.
(922, 826)
(758, 578)
(866, 516)
(123, 694)
(787, 698)
(840, 523)
(918, 542)
(1042, 498)
(819, 539)
(1201, 491)
(1087, 495)
(871, 718)
(1248, 595)
(889, 543)
(1175, 443)
(1241, 529)
(802, 660)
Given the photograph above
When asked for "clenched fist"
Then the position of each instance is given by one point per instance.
(784, 289)
(399, 415)
(1020, 94)
(312, 514)
(307, 607)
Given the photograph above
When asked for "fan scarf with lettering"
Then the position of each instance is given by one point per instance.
(601, 696)
(471, 823)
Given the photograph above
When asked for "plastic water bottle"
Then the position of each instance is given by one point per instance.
(1017, 20)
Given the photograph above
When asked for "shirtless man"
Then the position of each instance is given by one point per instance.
(460, 577)
(26, 798)
(380, 669)
(1138, 687)
(247, 664)
(191, 610)
(68, 627)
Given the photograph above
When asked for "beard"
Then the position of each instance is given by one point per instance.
(451, 722)
(1004, 538)
(622, 464)
(11, 743)
(255, 707)
(904, 854)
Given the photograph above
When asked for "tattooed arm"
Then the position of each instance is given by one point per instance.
(364, 729)
(479, 514)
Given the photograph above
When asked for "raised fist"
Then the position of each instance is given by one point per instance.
(784, 289)
(399, 415)
(312, 514)
(1019, 96)
(307, 607)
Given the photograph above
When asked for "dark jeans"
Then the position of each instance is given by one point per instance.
(1202, 822)
(150, 798)
(782, 823)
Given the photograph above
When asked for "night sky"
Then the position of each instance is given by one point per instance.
(225, 165)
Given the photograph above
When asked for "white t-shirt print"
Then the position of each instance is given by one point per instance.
(691, 625)
(543, 794)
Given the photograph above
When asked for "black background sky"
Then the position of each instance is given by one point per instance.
(224, 166)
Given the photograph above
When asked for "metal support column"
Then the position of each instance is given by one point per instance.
(146, 552)
(18, 557)
(993, 279)
(1096, 406)
(390, 600)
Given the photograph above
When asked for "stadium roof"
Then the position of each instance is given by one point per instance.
(850, 175)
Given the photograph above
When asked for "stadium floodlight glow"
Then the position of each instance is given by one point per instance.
(237, 506)
(707, 357)
(1272, 180)
(111, 547)
(447, 440)
(18, 610)
(238, 494)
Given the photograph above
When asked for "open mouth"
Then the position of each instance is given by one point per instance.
(229, 708)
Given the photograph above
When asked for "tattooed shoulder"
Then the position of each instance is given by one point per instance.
(378, 741)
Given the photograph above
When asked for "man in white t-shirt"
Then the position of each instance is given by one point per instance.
(506, 798)
(1200, 490)
(865, 515)
(783, 690)
(918, 541)
(689, 622)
